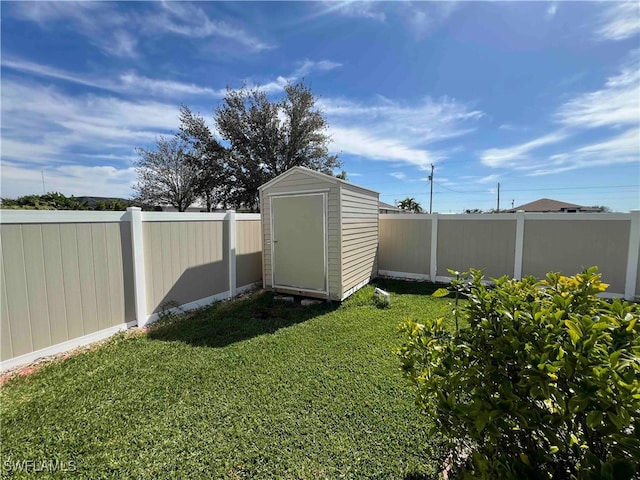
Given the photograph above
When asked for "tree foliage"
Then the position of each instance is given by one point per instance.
(266, 138)
(410, 205)
(255, 140)
(544, 382)
(206, 156)
(165, 175)
(58, 201)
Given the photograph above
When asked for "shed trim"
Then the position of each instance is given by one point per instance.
(313, 173)
(298, 192)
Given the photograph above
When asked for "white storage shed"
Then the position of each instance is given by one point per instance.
(320, 235)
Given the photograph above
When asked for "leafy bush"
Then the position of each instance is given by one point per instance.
(544, 382)
(48, 201)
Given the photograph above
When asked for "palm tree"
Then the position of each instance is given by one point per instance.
(409, 204)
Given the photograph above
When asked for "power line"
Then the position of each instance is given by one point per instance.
(599, 187)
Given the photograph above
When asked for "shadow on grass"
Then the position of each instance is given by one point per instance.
(418, 476)
(225, 323)
(406, 287)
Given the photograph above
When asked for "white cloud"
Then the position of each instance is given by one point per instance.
(421, 18)
(360, 142)
(398, 175)
(423, 122)
(517, 154)
(616, 104)
(83, 14)
(188, 20)
(307, 66)
(118, 33)
(620, 20)
(99, 21)
(623, 148)
(513, 128)
(132, 82)
(354, 9)
(78, 180)
(551, 10)
(47, 125)
(391, 131)
(122, 44)
(51, 72)
(489, 178)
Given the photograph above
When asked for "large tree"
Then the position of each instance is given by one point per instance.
(265, 138)
(165, 175)
(207, 156)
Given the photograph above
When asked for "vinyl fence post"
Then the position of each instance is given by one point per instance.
(433, 267)
(231, 218)
(517, 264)
(137, 257)
(632, 256)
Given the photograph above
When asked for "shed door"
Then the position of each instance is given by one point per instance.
(299, 248)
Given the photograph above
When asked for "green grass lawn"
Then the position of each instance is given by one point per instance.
(254, 388)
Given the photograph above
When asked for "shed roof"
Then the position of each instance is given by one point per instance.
(316, 174)
(388, 206)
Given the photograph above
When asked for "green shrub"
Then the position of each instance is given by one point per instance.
(544, 382)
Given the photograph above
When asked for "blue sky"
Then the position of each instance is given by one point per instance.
(543, 97)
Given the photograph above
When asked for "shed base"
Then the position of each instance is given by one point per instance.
(301, 293)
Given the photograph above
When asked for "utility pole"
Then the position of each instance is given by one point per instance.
(498, 209)
(44, 190)
(431, 192)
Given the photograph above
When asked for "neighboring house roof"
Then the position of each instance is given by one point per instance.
(549, 205)
(387, 206)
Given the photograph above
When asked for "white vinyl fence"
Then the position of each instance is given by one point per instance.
(424, 247)
(71, 278)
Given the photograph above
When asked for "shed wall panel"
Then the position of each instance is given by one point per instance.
(359, 245)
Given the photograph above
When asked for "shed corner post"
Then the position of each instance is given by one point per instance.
(137, 257)
(517, 264)
(632, 256)
(231, 219)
